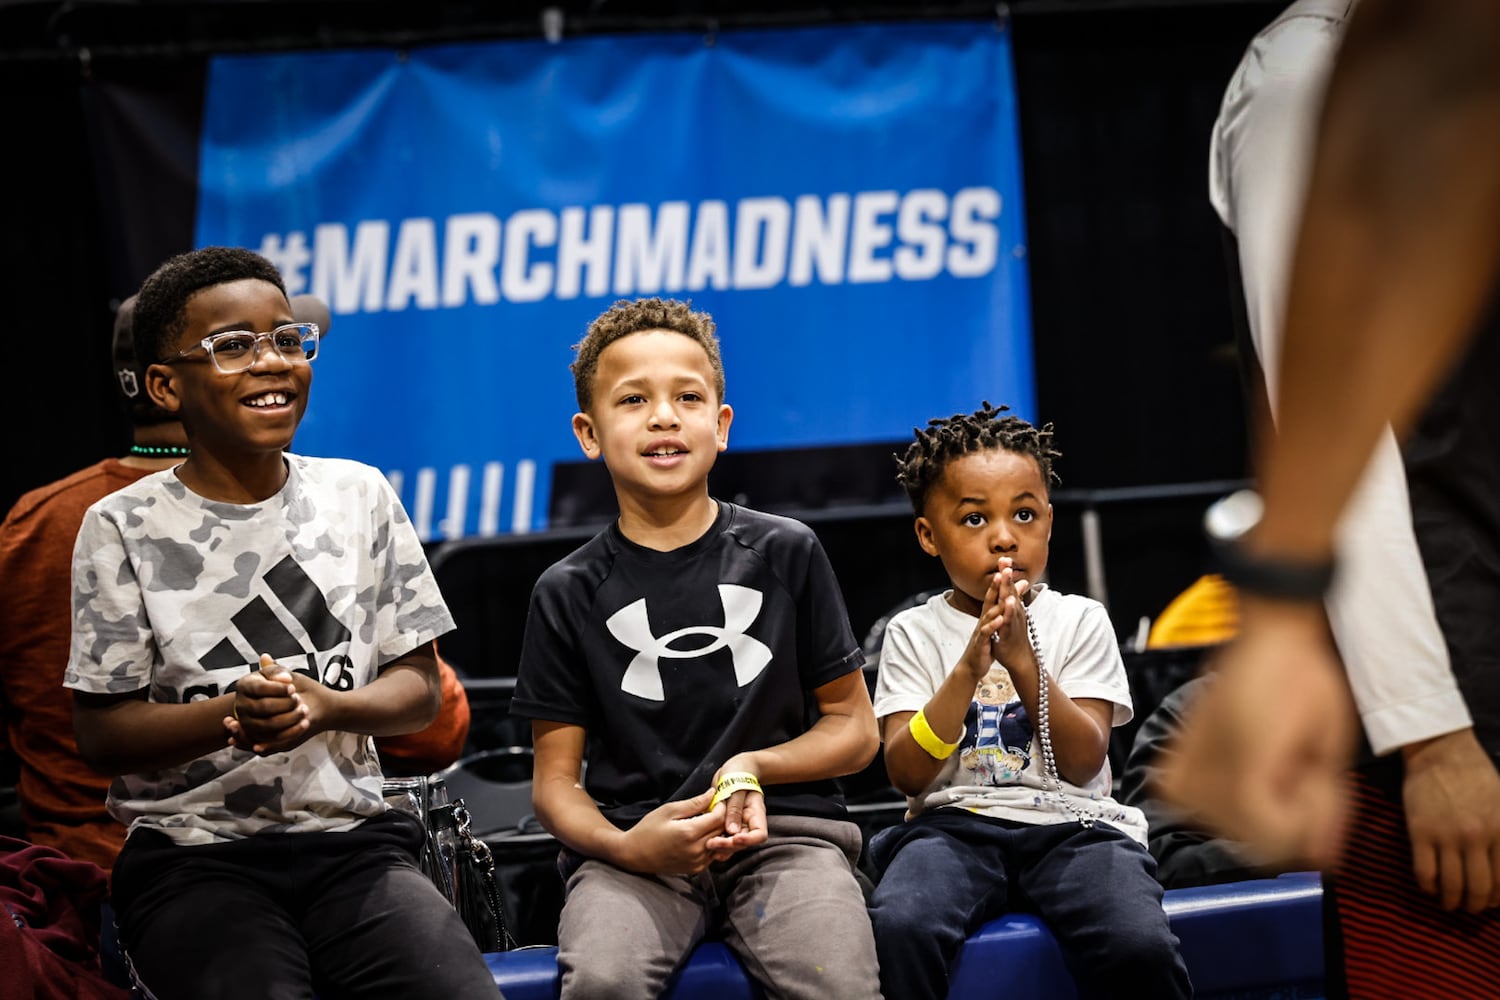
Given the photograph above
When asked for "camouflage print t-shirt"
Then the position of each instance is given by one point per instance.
(180, 595)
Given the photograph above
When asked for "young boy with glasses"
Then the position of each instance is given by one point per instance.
(62, 799)
(244, 624)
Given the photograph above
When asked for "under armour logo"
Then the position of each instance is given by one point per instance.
(632, 626)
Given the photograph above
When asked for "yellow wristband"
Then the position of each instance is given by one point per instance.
(733, 782)
(921, 731)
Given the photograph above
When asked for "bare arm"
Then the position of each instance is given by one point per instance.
(1079, 730)
(442, 741)
(910, 768)
(404, 698)
(671, 839)
(126, 734)
(1398, 249)
(843, 740)
(1077, 742)
(129, 735)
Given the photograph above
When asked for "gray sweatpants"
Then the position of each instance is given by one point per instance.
(791, 909)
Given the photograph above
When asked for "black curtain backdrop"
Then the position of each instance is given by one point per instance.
(1133, 341)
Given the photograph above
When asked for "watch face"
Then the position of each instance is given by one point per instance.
(1228, 519)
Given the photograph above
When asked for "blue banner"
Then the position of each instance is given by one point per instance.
(845, 201)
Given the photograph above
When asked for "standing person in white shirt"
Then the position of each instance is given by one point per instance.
(1372, 288)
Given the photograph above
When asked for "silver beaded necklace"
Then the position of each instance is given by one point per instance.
(1051, 780)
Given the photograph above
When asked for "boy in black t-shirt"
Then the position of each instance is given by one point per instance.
(698, 656)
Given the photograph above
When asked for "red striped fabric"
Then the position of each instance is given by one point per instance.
(1397, 942)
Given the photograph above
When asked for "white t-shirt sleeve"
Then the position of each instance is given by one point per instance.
(1092, 666)
(912, 665)
(112, 647)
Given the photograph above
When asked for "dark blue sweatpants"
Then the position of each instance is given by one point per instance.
(944, 873)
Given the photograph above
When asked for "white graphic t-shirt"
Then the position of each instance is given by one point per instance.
(179, 595)
(997, 770)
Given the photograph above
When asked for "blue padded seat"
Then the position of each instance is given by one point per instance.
(1260, 938)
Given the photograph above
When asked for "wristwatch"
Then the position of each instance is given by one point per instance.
(1227, 522)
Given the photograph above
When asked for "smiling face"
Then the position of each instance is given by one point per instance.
(987, 504)
(655, 417)
(250, 413)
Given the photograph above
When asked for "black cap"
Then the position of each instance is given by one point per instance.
(130, 377)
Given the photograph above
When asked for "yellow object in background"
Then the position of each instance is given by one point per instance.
(1206, 612)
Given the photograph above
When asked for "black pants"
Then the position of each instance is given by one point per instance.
(290, 915)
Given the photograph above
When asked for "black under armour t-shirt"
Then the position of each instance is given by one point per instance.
(672, 662)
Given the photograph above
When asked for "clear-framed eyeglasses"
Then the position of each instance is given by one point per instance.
(237, 350)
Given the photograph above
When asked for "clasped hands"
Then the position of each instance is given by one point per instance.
(1000, 634)
(686, 836)
(272, 711)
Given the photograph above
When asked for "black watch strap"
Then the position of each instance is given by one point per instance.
(1275, 578)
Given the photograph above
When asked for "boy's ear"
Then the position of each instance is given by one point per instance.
(726, 417)
(161, 386)
(924, 535)
(1050, 522)
(583, 430)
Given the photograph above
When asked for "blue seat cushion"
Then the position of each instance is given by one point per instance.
(1260, 938)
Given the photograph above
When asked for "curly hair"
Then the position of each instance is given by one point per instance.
(633, 316)
(161, 304)
(950, 438)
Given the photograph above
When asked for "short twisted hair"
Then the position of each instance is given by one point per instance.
(948, 438)
(161, 304)
(626, 317)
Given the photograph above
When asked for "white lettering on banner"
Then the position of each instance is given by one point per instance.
(414, 269)
(708, 260)
(923, 238)
(646, 260)
(533, 227)
(422, 506)
(862, 237)
(348, 280)
(978, 242)
(471, 247)
(870, 234)
(577, 252)
(818, 239)
(489, 498)
(761, 229)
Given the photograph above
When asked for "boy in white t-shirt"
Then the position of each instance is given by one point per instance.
(1009, 804)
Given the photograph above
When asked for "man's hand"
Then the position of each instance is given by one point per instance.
(673, 838)
(1263, 754)
(1452, 802)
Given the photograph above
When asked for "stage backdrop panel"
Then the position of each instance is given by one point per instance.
(846, 201)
